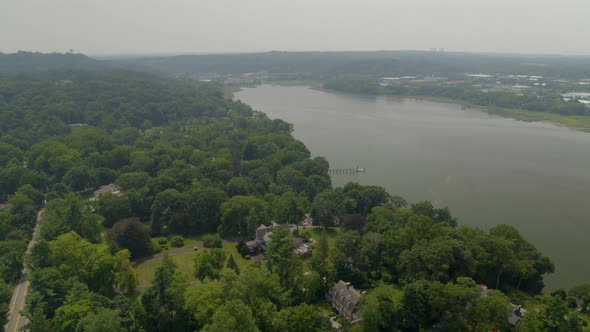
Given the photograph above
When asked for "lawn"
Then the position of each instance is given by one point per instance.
(581, 123)
(184, 265)
(332, 234)
(184, 261)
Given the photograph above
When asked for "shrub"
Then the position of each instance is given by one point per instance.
(157, 248)
(242, 248)
(212, 241)
(306, 237)
(177, 241)
(162, 240)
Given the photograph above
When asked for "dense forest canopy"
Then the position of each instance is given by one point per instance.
(190, 164)
(380, 63)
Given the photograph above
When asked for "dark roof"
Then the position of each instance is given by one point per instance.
(347, 291)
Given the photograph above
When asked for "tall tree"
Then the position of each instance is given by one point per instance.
(231, 264)
(208, 263)
(163, 301)
(125, 279)
(280, 257)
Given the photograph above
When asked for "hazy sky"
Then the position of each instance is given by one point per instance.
(194, 26)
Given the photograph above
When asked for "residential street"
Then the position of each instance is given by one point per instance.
(17, 303)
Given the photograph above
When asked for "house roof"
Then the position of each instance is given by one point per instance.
(109, 188)
(347, 291)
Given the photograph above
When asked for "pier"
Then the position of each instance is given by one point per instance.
(356, 170)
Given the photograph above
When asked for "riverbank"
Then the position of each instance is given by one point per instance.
(581, 123)
(466, 160)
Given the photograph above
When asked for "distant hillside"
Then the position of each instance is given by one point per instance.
(34, 61)
(320, 65)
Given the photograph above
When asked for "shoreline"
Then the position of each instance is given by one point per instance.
(515, 114)
(578, 123)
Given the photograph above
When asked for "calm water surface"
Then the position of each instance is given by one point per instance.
(487, 169)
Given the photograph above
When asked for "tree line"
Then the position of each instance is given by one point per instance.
(550, 102)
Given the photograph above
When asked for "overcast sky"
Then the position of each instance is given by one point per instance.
(197, 26)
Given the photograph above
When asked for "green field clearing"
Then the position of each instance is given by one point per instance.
(184, 261)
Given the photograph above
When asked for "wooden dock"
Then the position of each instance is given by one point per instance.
(356, 170)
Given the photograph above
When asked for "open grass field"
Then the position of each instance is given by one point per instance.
(581, 123)
(184, 261)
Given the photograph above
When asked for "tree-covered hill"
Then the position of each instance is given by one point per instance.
(321, 65)
(34, 61)
(188, 162)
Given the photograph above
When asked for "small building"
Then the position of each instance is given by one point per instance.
(345, 299)
(108, 189)
(516, 315)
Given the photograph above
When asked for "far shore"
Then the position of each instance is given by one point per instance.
(580, 123)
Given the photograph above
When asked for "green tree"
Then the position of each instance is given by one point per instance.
(416, 306)
(205, 209)
(103, 319)
(489, 312)
(70, 214)
(23, 210)
(380, 309)
(163, 301)
(287, 208)
(327, 206)
(240, 186)
(132, 235)
(320, 262)
(241, 215)
(38, 322)
(113, 208)
(208, 263)
(301, 318)
(5, 294)
(125, 279)
(231, 264)
(169, 212)
(280, 257)
(232, 316)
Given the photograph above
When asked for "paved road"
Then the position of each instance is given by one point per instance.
(15, 320)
